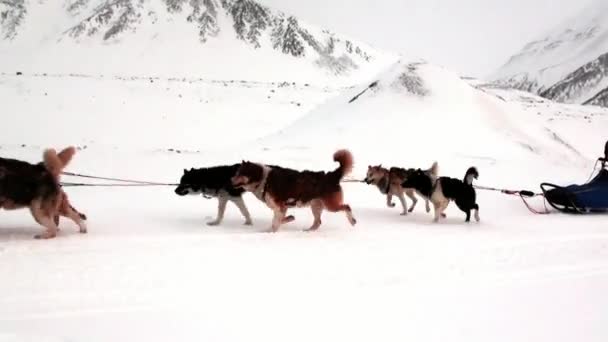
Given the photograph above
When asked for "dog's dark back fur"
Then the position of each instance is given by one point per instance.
(454, 188)
(419, 180)
(400, 172)
(288, 184)
(212, 178)
(22, 182)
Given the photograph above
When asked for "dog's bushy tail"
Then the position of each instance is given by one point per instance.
(56, 162)
(434, 170)
(345, 158)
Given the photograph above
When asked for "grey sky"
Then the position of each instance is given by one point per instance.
(473, 37)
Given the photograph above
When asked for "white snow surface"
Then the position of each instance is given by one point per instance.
(150, 269)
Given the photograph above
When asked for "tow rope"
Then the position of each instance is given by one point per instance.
(523, 194)
(124, 182)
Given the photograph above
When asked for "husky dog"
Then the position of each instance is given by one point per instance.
(36, 186)
(389, 183)
(214, 182)
(447, 189)
(282, 188)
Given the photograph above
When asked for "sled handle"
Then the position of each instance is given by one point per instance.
(605, 159)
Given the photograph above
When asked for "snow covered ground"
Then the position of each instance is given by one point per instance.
(150, 269)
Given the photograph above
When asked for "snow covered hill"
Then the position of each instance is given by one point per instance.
(415, 111)
(568, 64)
(221, 39)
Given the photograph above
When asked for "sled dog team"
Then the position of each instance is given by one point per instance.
(37, 187)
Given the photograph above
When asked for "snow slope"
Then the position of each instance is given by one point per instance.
(150, 269)
(212, 39)
(416, 110)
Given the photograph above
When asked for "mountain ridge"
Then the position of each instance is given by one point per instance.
(237, 27)
(568, 63)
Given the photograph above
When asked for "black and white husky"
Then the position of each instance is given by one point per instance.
(214, 182)
(447, 189)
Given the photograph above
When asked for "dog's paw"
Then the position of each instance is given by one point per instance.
(390, 205)
(83, 231)
(428, 209)
(213, 223)
(404, 213)
(443, 215)
(248, 223)
(410, 210)
(45, 236)
(289, 218)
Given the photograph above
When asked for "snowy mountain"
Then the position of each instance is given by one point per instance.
(601, 99)
(578, 86)
(568, 64)
(422, 102)
(207, 38)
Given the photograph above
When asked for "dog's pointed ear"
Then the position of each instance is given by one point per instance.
(185, 171)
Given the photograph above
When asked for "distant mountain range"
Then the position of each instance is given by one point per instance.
(570, 64)
(205, 30)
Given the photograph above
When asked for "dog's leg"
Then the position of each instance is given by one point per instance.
(440, 207)
(334, 203)
(45, 220)
(403, 203)
(240, 203)
(389, 200)
(476, 208)
(444, 206)
(437, 207)
(221, 209)
(410, 194)
(468, 215)
(75, 216)
(67, 210)
(288, 218)
(278, 219)
(317, 209)
(428, 206)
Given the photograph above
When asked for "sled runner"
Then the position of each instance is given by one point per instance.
(586, 198)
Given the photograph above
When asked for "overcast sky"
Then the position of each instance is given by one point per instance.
(473, 37)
